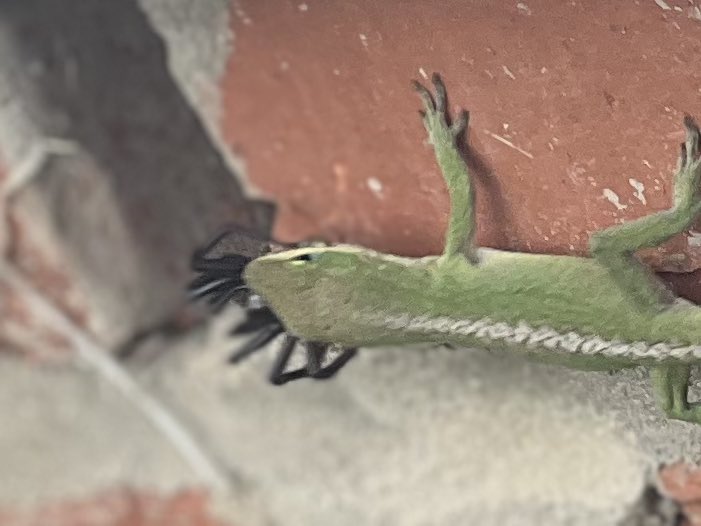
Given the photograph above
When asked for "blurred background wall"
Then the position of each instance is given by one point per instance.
(131, 131)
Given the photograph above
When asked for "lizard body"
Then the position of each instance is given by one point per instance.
(607, 312)
(525, 303)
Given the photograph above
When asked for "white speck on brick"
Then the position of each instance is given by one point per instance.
(375, 186)
(336, 72)
(423, 73)
(508, 72)
(238, 10)
(663, 5)
(647, 163)
(639, 189)
(303, 7)
(363, 39)
(612, 197)
(523, 8)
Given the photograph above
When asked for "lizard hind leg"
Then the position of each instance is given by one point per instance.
(615, 247)
(671, 385)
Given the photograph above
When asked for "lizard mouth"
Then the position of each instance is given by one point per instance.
(221, 266)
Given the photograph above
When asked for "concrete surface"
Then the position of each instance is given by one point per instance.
(92, 120)
(199, 41)
(66, 433)
(428, 436)
(403, 436)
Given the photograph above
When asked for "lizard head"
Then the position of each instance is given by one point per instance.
(323, 293)
(310, 289)
(299, 270)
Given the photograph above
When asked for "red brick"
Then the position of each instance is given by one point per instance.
(123, 507)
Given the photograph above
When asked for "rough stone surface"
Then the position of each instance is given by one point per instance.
(575, 124)
(426, 436)
(137, 185)
(67, 434)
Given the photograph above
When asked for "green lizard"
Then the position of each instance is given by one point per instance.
(607, 312)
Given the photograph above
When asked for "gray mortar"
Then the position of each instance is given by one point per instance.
(199, 42)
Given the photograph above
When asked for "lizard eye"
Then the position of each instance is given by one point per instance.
(308, 257)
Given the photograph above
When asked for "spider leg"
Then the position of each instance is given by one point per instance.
(201, 254)
(316, 352)
(222, 298)
(255, 320)
(278, 376)
(331, 369)
(204, 286)
(224, 265)
(257, 342)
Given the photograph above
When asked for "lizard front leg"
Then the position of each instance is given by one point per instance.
(615, 247)
(443, 135)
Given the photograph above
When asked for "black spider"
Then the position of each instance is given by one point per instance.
(221, 281)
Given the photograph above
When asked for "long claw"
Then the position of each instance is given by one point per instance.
(460, 124)
(425, 95)
(692, 138)
(441, 94)
(682, 157)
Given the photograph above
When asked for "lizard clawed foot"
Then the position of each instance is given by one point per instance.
(690, 147)
(688, 173)
(441, 128)
(692, 413)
